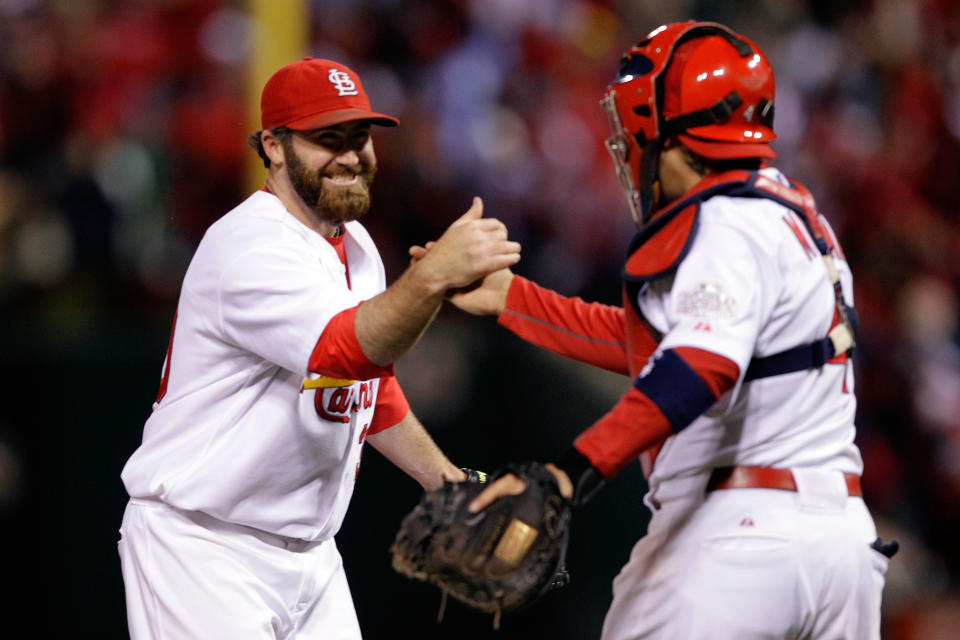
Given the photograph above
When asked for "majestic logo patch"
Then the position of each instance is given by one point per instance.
(708, 301)
(342, 82)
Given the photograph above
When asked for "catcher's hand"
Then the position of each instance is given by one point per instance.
(500, 559)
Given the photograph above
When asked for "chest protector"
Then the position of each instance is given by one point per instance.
(658, 249)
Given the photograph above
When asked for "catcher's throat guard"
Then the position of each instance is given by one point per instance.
(500, 559)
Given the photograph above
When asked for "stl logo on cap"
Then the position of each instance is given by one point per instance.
(342, 83)
(314, 93)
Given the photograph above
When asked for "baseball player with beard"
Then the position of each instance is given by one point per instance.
(279, 369)
(736, 331)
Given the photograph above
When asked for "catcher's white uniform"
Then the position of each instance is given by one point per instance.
(758, 527)
(251, 452)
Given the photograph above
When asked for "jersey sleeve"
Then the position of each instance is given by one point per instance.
(711, 311)
(722, 293)
(392, 405)
(593, 333)
(276, 304)
(675, 388)
(338, 353)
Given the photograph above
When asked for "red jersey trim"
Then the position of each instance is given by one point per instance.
(337, 244)
(392, 406)
(639, 422)
(338, 353)
(717, 372)
(165, 378)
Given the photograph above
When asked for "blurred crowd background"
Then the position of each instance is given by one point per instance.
(122, 137)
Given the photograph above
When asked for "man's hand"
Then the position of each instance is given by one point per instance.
(500, 560)
(511, 485)
(388, 324)
(486, 297)
(470, 248)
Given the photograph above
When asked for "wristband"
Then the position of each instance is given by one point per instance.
(478, 477)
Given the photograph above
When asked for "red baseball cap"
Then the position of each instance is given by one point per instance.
(314, 93)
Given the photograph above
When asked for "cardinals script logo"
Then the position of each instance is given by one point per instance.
(336, 399)
(342, 82)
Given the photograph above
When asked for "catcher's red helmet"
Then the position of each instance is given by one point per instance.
(699, 81)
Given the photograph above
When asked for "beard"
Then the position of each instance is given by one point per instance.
(333, 203)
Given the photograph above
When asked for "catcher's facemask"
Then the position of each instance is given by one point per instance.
(720, 106)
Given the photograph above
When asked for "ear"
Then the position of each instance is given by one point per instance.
(694, 161)
(273, 147)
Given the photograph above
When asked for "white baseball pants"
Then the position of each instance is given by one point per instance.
(752, 564)
(188, 575)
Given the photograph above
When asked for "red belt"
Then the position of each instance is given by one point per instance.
(741, 477)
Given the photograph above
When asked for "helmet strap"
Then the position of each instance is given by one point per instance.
(724, 108)
(648, 183)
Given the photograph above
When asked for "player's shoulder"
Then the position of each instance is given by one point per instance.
(259, 230)
(259, 222)
(759, 219)
(260, 212)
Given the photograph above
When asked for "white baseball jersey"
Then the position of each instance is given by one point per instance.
(734, 278)
(751, 285)
(242, 432)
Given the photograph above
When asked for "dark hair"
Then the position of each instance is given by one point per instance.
(256, 143)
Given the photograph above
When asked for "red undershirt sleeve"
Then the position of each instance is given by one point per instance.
(682, 384)
(392, 406)
(593, 333)
(338, 353)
